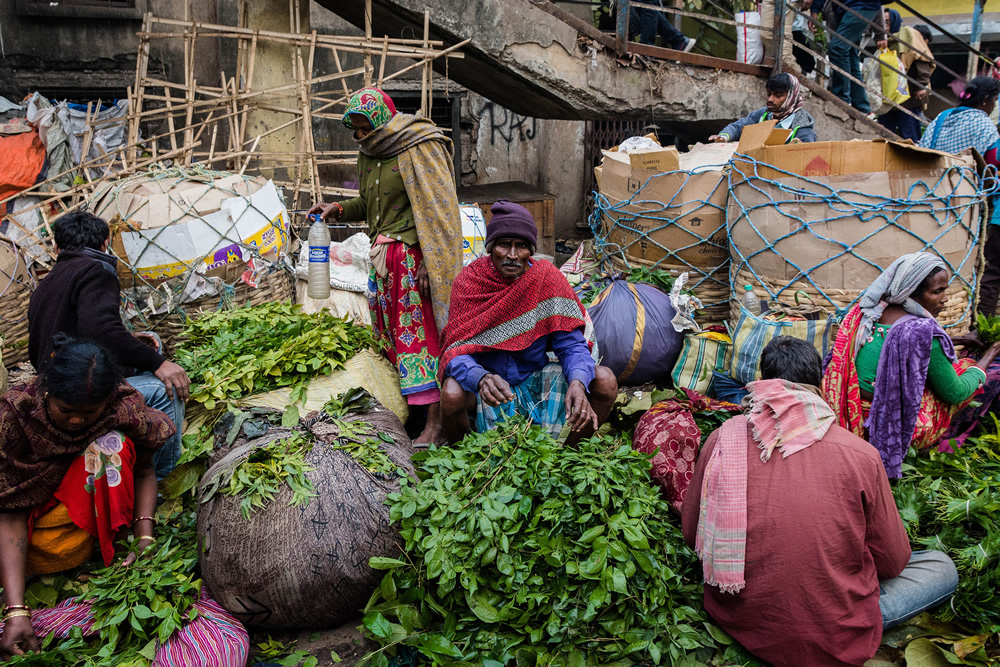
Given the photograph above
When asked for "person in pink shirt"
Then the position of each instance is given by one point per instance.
(805, 558)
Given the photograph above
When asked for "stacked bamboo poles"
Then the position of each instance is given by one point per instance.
(189, 122)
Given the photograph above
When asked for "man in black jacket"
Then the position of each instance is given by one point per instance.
(80, 297)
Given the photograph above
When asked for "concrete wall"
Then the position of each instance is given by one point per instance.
(548, 154)
(79, 53)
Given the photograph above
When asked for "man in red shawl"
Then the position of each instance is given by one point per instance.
(508, 312)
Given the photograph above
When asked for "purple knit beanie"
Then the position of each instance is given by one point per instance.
(511, 221)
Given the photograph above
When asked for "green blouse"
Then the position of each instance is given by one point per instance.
(946, 384)
(382, 201)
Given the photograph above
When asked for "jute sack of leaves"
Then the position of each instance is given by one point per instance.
(289, 517)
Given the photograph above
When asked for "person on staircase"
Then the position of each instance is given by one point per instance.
(649, 23)
(784, 104)
(916, 57)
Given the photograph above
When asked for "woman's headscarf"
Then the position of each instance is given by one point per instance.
(895, 21)
(793, 101)
(371, 103)
(894, 287)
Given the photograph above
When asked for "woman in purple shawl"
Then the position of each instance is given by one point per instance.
(894, 378)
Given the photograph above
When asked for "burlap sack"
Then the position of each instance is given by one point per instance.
(307, 566)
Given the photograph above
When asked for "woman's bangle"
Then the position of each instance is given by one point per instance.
(17, 612)
(142, 518)
(139, 538)
(11, 607)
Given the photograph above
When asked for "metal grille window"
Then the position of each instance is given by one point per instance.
(85, 9)
(602, 135)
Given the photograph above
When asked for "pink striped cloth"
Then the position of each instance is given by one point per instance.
(785, 415)
(213, 639)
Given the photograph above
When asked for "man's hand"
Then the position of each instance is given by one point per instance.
(921, 95)
(578, 411)
(423, 282)
(494, 390)
(882, 44)
(175, 379)
(332, 210)
(149, 339)
(18, 637)
(717, 138)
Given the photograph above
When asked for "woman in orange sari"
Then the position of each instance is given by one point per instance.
(76, 455)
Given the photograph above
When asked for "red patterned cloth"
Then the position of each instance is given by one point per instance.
(405, 323)
(491, 312)
(668, 430)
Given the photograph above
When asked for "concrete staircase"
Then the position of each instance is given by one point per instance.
(537, 61)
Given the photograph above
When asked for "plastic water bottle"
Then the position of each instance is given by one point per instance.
(319, 259)
(750, 300)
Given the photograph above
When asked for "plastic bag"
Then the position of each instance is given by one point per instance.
(885, 85)
(749, 44)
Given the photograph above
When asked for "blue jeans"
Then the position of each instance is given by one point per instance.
(651, 23)
(154, 392)
(845, 56)
(902, 124)
(927, 581)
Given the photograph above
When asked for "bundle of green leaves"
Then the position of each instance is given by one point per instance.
(236, 353)
(988, 328)
(256, 478)
(518, 549)
(135, 608)
(951, 502)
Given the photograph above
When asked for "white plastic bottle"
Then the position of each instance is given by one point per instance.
(319, 259)
(750, 300)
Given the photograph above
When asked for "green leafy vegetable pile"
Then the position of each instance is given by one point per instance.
(248, 350)
(988, 328)
(357, 438)
(134, 607)
(521, 550)
(637, 274)
(951, 502)
(255, 479)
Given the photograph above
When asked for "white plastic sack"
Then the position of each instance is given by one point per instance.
(348, 263)
(105, 140)
(749, 44)
(473, 233)
(633, 144)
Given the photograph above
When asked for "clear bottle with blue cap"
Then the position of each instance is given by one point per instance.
(319, 259)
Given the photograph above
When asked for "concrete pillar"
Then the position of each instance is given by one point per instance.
(274, 67)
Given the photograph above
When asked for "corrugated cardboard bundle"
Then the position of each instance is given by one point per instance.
(826, 218)
(667, 209)
(167, 225)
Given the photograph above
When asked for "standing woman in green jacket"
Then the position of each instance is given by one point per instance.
(407, 196)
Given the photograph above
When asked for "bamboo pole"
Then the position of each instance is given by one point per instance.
(368, 37)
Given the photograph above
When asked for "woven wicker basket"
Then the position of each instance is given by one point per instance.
(17, 282)
(956, 310)
(279, 285)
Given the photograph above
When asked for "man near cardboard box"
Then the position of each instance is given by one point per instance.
(784, 104)
(80, 297)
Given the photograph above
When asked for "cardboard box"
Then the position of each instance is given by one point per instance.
(866, 173)
(698, 236)
(165, 227)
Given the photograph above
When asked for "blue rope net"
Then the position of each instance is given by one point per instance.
(772, 211)
(678, 234)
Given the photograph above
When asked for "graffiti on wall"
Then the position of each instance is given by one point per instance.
(507, 124)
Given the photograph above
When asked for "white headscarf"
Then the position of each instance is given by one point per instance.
(895, 287)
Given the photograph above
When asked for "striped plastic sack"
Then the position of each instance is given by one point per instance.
(752, 333)
(701, 355)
